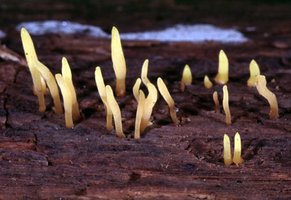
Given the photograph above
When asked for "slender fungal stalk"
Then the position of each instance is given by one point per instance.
(32, 59)
(135, 89)
(226, 150)
(149, 104)
(167, 97)
(52, 85)
(114, 107)
(67, 76)
(139, 113)
(102, 93)
(144, 72)
(118, 61)
(68, 101)
(216, 101)
(261, 85)
(225, 104)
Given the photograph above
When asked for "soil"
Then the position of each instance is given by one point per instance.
(41, 159)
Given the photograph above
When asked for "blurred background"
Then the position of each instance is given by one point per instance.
(139, 15)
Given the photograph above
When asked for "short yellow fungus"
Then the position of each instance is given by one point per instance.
(227, 150)
(261, 85)
(167, 97)
(225, 104)
(149, 104)
(139, 113)
(216, 101)
(114, 107)
(118, 61)
(39, 71)
(135, 89)
(144, 72)
(222, 75)
(102, 92)
(237, 150)
(186, 78)
(67, 76)
(207, 83)
(68, 100)
(254, 71)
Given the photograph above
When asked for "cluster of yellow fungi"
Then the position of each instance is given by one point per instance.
(43, 78)
(227, 156)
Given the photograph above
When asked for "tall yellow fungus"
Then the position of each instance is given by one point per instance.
(118, 61)
(225, 104)
(102, 92)
(114, 107)
(139, 113)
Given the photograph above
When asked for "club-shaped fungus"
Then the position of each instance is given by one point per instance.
(102, 93)
(68, 101)
(118, 61)
(114, 107)
(222, 75)
(31, 59)
(254, 72)
(167, 97)
(207, 83)
(144, 72)
(186, 78)
(237, 150)
(216, 101)
(139, 113)
(261, 85)
(67, 76)
(149, 104)
(39, 71)
(225, 104)
(135, 89)
(226, 150)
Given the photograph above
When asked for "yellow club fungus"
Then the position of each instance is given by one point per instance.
(102, 92)
(149, 104)
(135, 89)
(261, 85)
(67, 76)
(207, 83)
(139, 113)
(68, 100)
(31, 59)
(225, 104)
(237, 150)
(254, 71)
(167, 97)
(216, 101)
(186, 77)
(222, 75)
(226, 150)
(52, 85)
(144, 72)
(118, 61)
(39, 71)
(114, 107)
